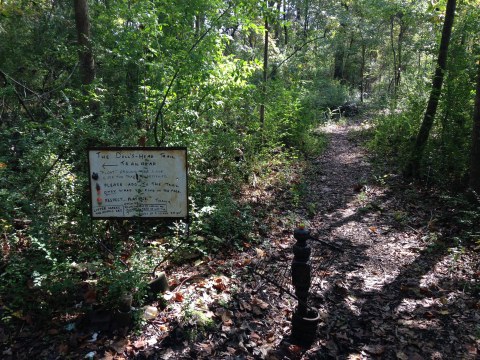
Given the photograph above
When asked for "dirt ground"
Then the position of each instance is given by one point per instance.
(389, 277)
(388, 280)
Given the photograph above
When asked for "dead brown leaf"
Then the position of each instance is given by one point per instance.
(108, 356)
(205, 348)
(254, 336)
(139, 344)
(260, 303)
(374, 349)
(243, 305)
(227, 318)
(428, 315)
(260, 252)
(63, 349)
(219, 284)
(472, 350)
(294, 349)
(119, 345)
(178, 297)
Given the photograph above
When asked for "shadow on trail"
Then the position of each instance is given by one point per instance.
(373, 297)
(400, 317)
(381, 322)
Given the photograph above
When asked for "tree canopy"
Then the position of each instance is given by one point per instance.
(242, 84)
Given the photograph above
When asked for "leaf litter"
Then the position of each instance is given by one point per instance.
(397, 290)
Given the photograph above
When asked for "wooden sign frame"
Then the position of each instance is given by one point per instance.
(138, 182)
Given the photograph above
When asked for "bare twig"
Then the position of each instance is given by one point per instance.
(20, 100)
(275, 68)
(327, 243)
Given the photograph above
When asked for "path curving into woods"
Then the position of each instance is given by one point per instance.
(387, 280)
(397, 291)
(389, 287)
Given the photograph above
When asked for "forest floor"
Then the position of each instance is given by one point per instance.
(389, 278)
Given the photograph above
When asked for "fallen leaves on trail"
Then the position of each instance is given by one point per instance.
(178, 296)
(260, 253)
(396, 292)
(260, 303)
(119, 345)
(220, 283)
(374, 349)
(139, 344)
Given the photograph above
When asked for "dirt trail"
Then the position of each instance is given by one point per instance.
(393, 285)
(389, 288)
(394, 293)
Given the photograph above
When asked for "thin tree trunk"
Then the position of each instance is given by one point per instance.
(413, 166)
(346, 58)
(401, 67)
(306, 22)
(338, 63)
(362, 72)
(85, 54)
(475, 155)
(285, 29)
(278, 25)
(197, 25)
(395, 69)
(265, 72)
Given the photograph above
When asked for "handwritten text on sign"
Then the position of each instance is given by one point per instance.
(138, 182)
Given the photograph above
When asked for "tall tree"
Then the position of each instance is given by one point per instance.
(413, 165)
(265, 65)
(82, 21)
(475, 156)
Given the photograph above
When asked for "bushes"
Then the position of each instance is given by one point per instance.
(394, 136)
(446, 156)
(209, 100)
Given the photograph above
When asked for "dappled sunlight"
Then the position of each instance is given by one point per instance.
(338, 126)
(201, 179)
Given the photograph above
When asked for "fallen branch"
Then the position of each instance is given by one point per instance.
(327, 244)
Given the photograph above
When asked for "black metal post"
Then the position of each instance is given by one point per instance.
(305, 319)
(301, 270)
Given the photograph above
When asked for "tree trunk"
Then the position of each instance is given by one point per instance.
(338, 64)
(362, 72)
(394, 53)
(475, 156)
(278, 29)
(285, 29)
(413, 165)
(85, 54)
(265, 72)
(346, 60)
(401, 67)
(306, 21)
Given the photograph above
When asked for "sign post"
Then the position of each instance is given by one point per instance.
(131, 182)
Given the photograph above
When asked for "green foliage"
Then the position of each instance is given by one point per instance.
(189, 73)
(38, 287)
(447, 155)
(195, 322)
(116, 282)
(220, 224)
(321, 95)
(395, 135)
